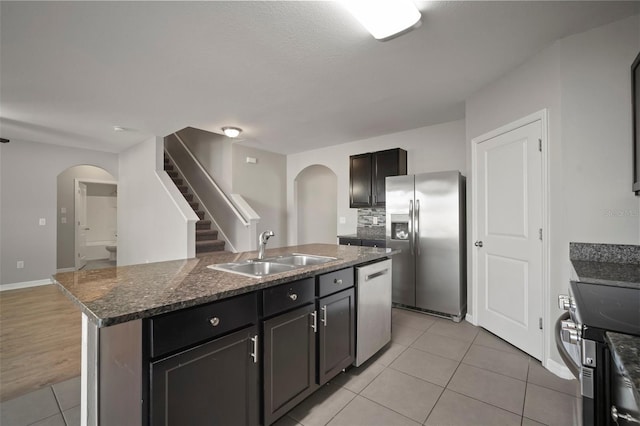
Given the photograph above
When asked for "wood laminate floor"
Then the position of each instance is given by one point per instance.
(40, 336)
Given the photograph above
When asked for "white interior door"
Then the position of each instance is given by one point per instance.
(509, 230)
(81, 224)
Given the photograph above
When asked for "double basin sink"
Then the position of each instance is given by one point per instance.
(258, 268)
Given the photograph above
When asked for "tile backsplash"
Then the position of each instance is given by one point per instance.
(365, 217)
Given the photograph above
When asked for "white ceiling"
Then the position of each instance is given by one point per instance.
(294, 75)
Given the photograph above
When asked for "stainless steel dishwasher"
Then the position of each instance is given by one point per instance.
(373, 300)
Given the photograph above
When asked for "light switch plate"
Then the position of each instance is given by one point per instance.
(63, 210)
(63, 219)
(42, 221)
(342, 220)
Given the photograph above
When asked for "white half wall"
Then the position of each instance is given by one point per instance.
(429, 149)
(155, 222)
(28, 188)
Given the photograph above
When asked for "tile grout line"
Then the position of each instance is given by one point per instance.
(58, 404)
(389, 408)
(526, 386)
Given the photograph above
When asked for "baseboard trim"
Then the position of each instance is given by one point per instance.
(471, 319)
(559, 369)
(65, 270)
(24, 284)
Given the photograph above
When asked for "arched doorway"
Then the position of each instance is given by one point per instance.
(86, 218)
(316, 189)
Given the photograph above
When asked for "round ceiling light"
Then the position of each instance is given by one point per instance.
(232, 132)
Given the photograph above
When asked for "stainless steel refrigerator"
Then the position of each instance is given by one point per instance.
(425, 218)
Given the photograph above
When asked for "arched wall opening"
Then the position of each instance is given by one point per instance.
(86, 217)
(315, 195)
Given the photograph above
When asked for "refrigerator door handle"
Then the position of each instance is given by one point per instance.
(411, 226)
(416, 231)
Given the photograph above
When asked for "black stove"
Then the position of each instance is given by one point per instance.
(594, 309)
(600, 308)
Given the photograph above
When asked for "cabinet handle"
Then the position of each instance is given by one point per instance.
(293, 296)
(214, 321)
(254, 353)
(314, 324)
(337, 281)
(324, 315)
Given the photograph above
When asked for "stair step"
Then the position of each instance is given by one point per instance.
(184, 189)
(200, 214)
(210, 245)
(203, 224)
(168, 167)
(206, 234)
(172, 173)
(194, 205)
(188, 197)
(178, 181)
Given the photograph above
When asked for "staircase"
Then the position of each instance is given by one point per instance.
(206, 238)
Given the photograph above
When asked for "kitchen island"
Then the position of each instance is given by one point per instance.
(178, 334)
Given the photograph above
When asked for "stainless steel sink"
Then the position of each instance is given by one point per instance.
(258, 268)
(254, 269)
(300, 259)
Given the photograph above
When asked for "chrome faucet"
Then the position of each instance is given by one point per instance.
(262, 242)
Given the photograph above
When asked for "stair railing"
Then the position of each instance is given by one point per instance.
(231, 215)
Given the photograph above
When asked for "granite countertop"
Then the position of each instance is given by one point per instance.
(626, 355)
(608, 264)
(116, 295)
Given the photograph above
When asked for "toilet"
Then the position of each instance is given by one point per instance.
(112, 252)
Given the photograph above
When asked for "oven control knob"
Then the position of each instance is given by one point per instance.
(566, 303)
(570, 335)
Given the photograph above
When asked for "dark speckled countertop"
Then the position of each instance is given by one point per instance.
(626, 355)
(116, 295)
(608, 264)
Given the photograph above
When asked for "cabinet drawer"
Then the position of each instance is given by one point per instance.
(345, 241)
(287, 296)
(335, 281)
(186, 327)
(374, 243)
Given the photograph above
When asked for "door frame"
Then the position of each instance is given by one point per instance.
(76, 187)
(541, 116)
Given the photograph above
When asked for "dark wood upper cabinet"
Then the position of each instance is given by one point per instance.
(367, 173)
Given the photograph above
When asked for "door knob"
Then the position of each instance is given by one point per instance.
(478, 244)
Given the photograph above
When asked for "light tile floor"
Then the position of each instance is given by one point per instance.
(434, 372)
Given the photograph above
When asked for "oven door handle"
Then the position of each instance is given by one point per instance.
(566, 357)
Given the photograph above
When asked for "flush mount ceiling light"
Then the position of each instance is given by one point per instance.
(384, 19)
(120, 129)
(231, 132)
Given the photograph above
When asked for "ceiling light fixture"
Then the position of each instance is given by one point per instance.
(119, 129)
(231, 132)
(384, 19)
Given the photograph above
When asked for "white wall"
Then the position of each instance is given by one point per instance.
(155, 222)
(28, 188)
(583, 82)
(263, 186)
(316, 198)
(432, 148)
(597, 134)
(214, 153)
(66, 200)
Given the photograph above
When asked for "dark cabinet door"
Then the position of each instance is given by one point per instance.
(392, 162)
(215, 383)
(337, 334)
(360, 180)
(289, 361)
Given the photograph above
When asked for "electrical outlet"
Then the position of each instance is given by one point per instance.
(342, 220)
(63, 219)
(375, 220)
(42, 221)
(20, 264)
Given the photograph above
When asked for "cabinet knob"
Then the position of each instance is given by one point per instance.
(293, 296)
(337, 281)
(214, 321)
